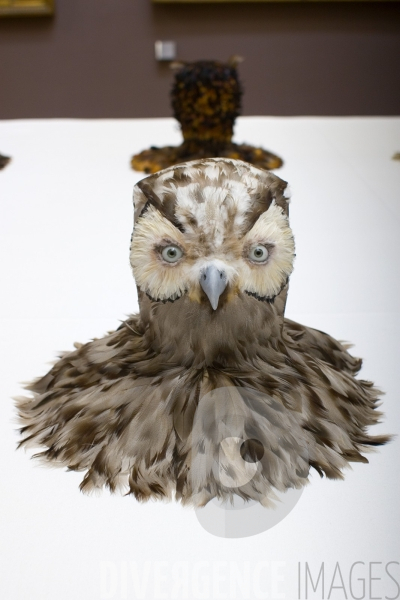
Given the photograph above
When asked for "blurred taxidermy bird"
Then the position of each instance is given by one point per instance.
(206, 100)
(211, 253)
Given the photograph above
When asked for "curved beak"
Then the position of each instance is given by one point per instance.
(213, 281)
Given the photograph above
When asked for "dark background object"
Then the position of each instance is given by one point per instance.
(96, 59)
(4, 160)
(206, 99)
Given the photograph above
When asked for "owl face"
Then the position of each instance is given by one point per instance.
(211, 229)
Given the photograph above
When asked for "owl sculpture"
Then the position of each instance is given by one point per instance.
(209, 376)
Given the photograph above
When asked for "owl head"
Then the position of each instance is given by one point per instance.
(210, 231)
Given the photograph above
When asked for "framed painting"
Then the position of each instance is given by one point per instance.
(20, 8)
(254, 1)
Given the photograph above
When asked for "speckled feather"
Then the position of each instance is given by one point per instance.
(122, 408)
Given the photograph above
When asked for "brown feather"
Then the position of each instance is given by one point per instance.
(148, 407)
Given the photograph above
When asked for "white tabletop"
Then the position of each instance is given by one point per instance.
(66, 220)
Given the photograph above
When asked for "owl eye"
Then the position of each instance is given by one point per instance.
(171, 254)
(258, 253)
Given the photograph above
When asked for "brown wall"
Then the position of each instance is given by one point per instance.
(96, 57)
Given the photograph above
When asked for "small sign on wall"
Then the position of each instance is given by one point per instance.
(15, 8)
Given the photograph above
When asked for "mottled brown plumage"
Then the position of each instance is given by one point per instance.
(206, 100)
(149, 407)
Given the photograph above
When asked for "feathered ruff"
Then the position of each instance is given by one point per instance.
(122, 408)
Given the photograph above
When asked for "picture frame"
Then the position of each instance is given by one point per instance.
(256, 1)
(21, 8)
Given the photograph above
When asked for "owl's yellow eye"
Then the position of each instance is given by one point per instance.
(258, 253)
(171, 254)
